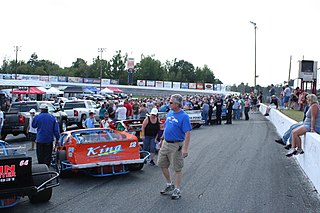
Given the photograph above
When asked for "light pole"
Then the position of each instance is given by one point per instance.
(255, 53)
(101, 50)
(16, 49)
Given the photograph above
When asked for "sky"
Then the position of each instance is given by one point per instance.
(203, 32)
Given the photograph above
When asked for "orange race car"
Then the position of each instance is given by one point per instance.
(98, 152)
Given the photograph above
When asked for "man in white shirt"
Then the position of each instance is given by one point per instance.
(121, 112)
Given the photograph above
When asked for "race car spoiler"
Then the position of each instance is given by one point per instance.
(113, 163)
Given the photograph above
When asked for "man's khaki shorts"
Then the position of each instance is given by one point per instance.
(171, 154)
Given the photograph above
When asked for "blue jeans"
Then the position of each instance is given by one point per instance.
(136, 116)
(205, 116)
(149, 144)
(288, 134)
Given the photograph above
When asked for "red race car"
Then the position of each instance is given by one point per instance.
(98, 152)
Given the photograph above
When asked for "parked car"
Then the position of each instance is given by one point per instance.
(16, 120)
(78, 111)
(98, 152)
(19, 177)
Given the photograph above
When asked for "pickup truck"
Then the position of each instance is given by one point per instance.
(78, 111)
(16, 120)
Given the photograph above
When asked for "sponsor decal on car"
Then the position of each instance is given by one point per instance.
(7, 173)
(104, 150)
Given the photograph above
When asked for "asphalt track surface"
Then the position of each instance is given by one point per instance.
(230, 168)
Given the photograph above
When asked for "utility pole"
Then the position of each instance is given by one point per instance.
(255, 53)
(16, 49)
(289, 69)
(101, 50)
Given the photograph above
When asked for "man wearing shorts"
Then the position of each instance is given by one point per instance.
(175, 145)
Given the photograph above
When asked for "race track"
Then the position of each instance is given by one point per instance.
(230, 168)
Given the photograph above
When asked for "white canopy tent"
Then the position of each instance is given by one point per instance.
(106, 90)
(54, 91)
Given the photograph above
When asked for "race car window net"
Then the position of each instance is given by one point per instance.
(100, 136)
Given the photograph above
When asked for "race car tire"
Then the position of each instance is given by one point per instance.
(137, 166)
(62, 156)
(83, 118)
(44, 195)
(3, 136)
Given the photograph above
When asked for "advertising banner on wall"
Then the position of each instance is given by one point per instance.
(184, 85)
(6, 76)
(28, 77)
(75, 80)
(114, 81)
(88, 80)
(167, 84)
(192, 86)
(62, 79)
(159, 84)
(200, 86)
(208, 86)
(44, 78)
(141, 83)
(53, 78)
(150, 83)
(105, 82)
(176, 85)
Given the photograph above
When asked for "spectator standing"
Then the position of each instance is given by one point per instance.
(150, 128)
(229, 105)
(143, 111)
(89, 122)
(32, 132)
(106, 122)
(218, 104)
(236, 108)
(310, 124)
(272, 92)
(102, 111)
(287, 94)
(246, 107)
(136, 110)
(1, 122)
(175, 146)
(111, 111)
(121, 112)
(47, 130)
(128, 106)
(205, 112)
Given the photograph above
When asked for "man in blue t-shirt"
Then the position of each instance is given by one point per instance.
(175, 145)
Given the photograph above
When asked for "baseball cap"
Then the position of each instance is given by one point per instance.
(32, 111)
(43, 106)
(91, 113)
(154, 111)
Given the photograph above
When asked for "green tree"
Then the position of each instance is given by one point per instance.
(150, 69)
(118, 67)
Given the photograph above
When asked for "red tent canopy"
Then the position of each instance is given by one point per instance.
(32, 90)
(114, 89)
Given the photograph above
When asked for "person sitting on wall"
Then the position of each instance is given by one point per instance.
(273, 105)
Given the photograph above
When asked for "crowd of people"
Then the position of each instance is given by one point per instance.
(173, 132)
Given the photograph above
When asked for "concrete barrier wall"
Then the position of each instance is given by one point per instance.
(310, 160)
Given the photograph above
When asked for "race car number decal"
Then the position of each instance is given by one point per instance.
(24, 163)
(7, 173)
(104, 150)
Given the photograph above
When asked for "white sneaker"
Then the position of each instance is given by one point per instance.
(291, 152)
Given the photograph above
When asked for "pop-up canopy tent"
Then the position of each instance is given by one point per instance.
(54, 91)
(106, 90)
(114, 89)
(31, 90)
